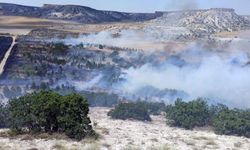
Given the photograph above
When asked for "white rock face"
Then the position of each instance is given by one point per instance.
(202, 22)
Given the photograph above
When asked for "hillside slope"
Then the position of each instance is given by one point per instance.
(205, 21)
(76, 13)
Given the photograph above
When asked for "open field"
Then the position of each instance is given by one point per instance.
(123, 135)
(23, 25)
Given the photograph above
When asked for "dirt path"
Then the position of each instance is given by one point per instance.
(6, 56)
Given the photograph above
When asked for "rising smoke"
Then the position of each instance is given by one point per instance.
(220, 77)
(224, 80)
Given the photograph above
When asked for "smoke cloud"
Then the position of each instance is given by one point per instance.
(220, 74)
(224, 80)
(123, 38)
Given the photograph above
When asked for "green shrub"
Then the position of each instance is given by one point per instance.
(59, 48)
(232, 122)
(154, 108)
(101, 99)
(4, 116)
(48, 111)
(130, 111)
(74, 116)
(197, 113)
(188, 114)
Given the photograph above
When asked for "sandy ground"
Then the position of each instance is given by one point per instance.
(131, 135)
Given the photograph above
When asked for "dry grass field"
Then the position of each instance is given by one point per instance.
(130, 135)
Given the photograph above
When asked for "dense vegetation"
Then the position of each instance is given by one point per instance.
(232, 122)
(50, 112)
(4, 116)
(59, 48)
(130, 111)
(101, 99)
(198, 113)
(188, 115)
(140, 110)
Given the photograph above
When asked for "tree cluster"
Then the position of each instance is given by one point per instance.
(198, 113)
(140, 110)
(51, 112)
(130, 111)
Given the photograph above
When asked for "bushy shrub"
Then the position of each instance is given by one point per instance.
(101, 99)
(74, 118)
(130, 111)
(4, 116)
(188, 114)
(59, 48)
(232, 122)
(48, 111)
(154, 108)
(198, 113)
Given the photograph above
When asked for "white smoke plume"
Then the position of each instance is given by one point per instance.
(215, 78)
(123, 38)
(221, 76)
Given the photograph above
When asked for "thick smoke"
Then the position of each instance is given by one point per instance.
(200, 71)
(224, 80)
(123, 38)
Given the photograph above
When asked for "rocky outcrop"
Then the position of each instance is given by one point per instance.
(204, 21)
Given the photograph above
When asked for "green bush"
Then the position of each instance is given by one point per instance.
(4, 116)
(74, 118)
(130, 111)
(101, 99)
(232, 122)
(59, 48)
(154, 108)
(188, 114)
(197, 113)
(48, 111)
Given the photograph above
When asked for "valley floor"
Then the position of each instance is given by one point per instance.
(123, 135)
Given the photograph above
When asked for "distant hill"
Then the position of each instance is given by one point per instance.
(204, 21)
(76, 13)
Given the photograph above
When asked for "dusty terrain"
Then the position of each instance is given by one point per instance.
(121, 135)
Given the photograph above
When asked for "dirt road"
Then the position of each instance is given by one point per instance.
(6, 56)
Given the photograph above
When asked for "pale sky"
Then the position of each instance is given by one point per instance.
(241, 6)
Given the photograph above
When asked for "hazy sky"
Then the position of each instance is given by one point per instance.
(241, 6)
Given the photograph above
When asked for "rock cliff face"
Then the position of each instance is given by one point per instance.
(76, 13)
(205, 21)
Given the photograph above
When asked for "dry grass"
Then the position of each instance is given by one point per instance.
(59, 147)
(238, 145)
(211, 142)
(92, 146)
(129, 135)
(164, 147)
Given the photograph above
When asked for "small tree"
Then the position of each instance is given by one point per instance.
(188, 114)
(74, 118)
(4, 116)
(232, 122)
(130, 111)
(48, 111)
